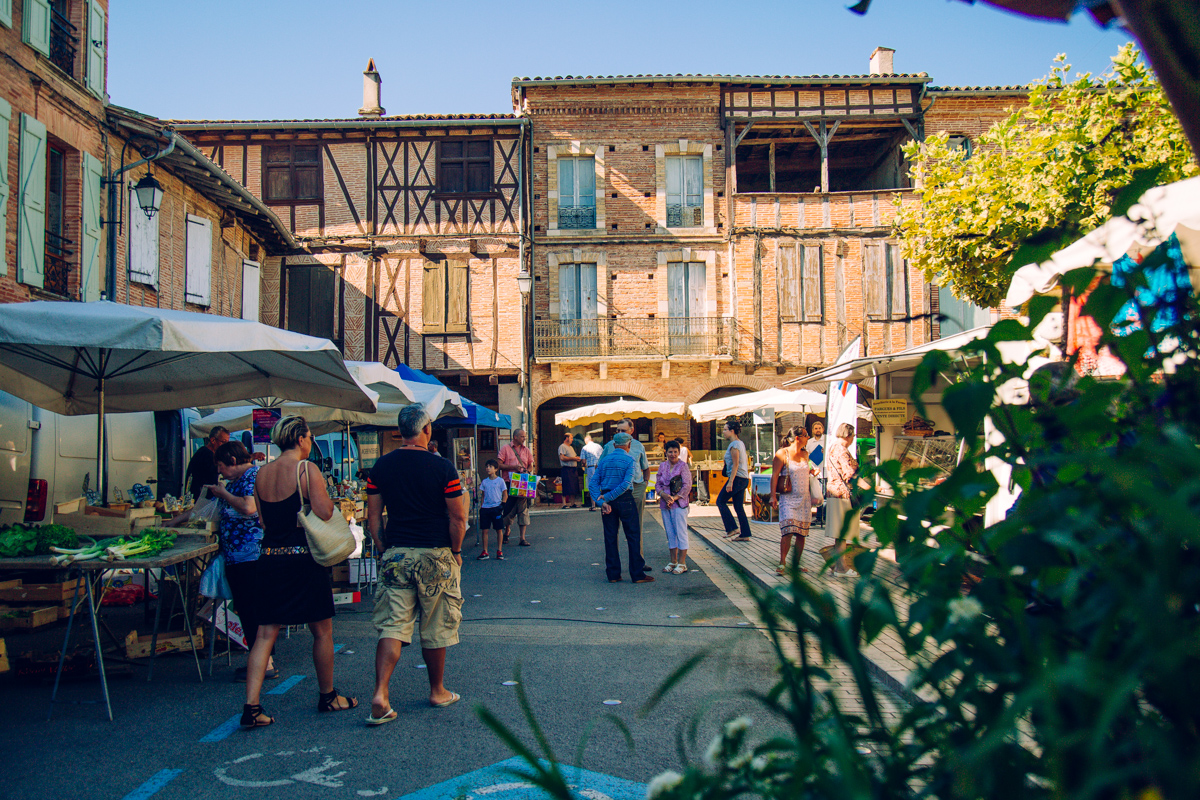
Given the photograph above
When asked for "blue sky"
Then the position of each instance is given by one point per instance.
(272, 59)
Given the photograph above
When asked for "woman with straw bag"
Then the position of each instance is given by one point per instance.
(293, 589)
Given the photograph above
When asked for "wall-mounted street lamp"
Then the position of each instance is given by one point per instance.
(525, 283)
(149, 194)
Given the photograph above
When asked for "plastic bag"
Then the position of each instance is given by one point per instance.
(206, 511)
(214, 583)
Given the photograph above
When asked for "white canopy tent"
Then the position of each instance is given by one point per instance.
(619, 409)
(781, 400)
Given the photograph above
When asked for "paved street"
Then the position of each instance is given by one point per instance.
(579, 641)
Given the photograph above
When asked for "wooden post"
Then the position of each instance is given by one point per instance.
(771, 161)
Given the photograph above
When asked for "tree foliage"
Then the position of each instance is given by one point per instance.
(1047, 173)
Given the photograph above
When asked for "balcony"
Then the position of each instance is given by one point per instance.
(58, 265)
(680, 216)
(63, 41)
(576, 217)
(632, 338)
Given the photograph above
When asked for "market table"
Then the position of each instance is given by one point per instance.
(187, 547)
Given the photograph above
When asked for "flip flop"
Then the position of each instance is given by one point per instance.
(390, 716)
(454, 698)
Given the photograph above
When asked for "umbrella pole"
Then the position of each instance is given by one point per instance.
(101, 439)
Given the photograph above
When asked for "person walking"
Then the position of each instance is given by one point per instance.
(492, 492)
(420, 569)
(292, 588)
(737, 472)
(795, 506)
(591, 453)
(240, 538)
(641, 474)
(516, 457)
(673, 485)
(569, 471)
(841, 470)
(614, 482)
(816, 457)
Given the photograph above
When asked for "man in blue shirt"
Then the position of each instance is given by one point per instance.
(614, 491)
(641, 474)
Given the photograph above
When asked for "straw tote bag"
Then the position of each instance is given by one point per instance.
(329, 540)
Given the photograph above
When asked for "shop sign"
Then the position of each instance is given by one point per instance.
(890, 412)
(264, 421)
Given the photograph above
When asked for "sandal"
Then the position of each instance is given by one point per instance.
(780, 570)
(329, 702)
(253, 716)
(669, 567)
(680, 569)
(524, 543)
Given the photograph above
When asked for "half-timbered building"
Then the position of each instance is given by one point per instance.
(410, 228)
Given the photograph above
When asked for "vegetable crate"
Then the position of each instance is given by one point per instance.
(4, 666)
(47, 593)
(102, 522)
(15, 618)
(171, 642)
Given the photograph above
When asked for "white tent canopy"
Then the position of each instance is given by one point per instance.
(1149, 223)
(781, 400)
(619, 409)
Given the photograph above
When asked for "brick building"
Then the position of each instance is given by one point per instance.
(67, 209)
(699, 236)
(411, 235)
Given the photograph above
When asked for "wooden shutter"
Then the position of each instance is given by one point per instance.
(199, 260)
(143, 243)
(31, 219)
(874, 281)
(35, 25)
(5, 119)
(433, 297)
(568, 291)
(813, 284)
(677, 289)
(897, 281)
(250, 286)
(588, 298)
(789, 282)
(6, 21)
(96, 48)
(458, 297)
(89, 258)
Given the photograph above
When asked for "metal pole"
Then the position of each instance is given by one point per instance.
(101, 443)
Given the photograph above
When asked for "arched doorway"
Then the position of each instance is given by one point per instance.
(550, 435)
(705, 435)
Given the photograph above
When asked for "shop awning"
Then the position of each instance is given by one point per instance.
(861, 369)
(619, 409)
(781, 400)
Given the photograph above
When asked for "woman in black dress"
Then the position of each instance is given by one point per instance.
(292, 588)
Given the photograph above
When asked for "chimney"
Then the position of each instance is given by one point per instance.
(881, 61)
(371, 81)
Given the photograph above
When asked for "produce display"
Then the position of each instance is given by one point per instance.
(34, 540)
(148, 542)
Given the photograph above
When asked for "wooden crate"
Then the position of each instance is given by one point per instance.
(4, 667)
(14, 583)
(341, 573)
(29, 618)
(54, 593)
(169, 642)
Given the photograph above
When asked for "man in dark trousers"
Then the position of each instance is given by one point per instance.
(202, 469)
(614, 479)
(419, 571)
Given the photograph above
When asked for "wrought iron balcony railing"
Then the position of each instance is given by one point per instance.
(63, 41)
(576, 216)
(685, 216)
(58, 252)
(632, 337)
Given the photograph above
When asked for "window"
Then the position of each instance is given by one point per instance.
(31, 213)
(465, 167)
(686, 303)
(143, 243)
(198, 273)
(963, 145)
(801, 279)
(5, 191)
(444, 297)
(292, 173)
(250, 285)
(96, 50)
(885, 282)
(897, 281)
(311, 289)
(685, 191)
(959, 315)
(59, 248)
(577, 309)
(577, 192)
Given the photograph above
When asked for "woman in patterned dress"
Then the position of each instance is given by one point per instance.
(795, 507)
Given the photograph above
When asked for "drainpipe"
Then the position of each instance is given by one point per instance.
(526, 389)
(115, 181)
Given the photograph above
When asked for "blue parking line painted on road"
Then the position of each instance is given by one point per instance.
(223, 730)
(337, 648)
(285, 685)
(151, 787)
(498, 780)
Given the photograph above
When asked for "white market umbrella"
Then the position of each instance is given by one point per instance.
(99, 357)
(385, 382)
(619, 409)
(783, 401)
(1149, 223)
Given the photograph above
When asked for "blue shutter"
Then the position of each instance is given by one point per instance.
(89, 260)
(5, 120)
(6, 15)
(35, 25)
(31, 219)
(96, 49)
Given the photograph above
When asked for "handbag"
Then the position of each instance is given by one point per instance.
(783, 483)
(329, 540)
(676, 485)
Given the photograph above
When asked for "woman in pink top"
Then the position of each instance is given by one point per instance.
(674, 505)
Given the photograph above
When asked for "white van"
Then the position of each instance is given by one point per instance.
(45, 457)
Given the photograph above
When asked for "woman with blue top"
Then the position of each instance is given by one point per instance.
(240, 537)
(737, 472)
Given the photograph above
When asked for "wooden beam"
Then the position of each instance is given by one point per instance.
(742, 135)
(771, 168)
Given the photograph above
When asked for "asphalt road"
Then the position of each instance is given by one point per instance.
(548, 610)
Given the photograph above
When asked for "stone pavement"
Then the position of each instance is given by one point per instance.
(757, 559)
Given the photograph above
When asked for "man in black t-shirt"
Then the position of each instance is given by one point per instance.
(202, 469)
(422, 557)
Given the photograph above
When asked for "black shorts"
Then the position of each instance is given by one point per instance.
(490, 518)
